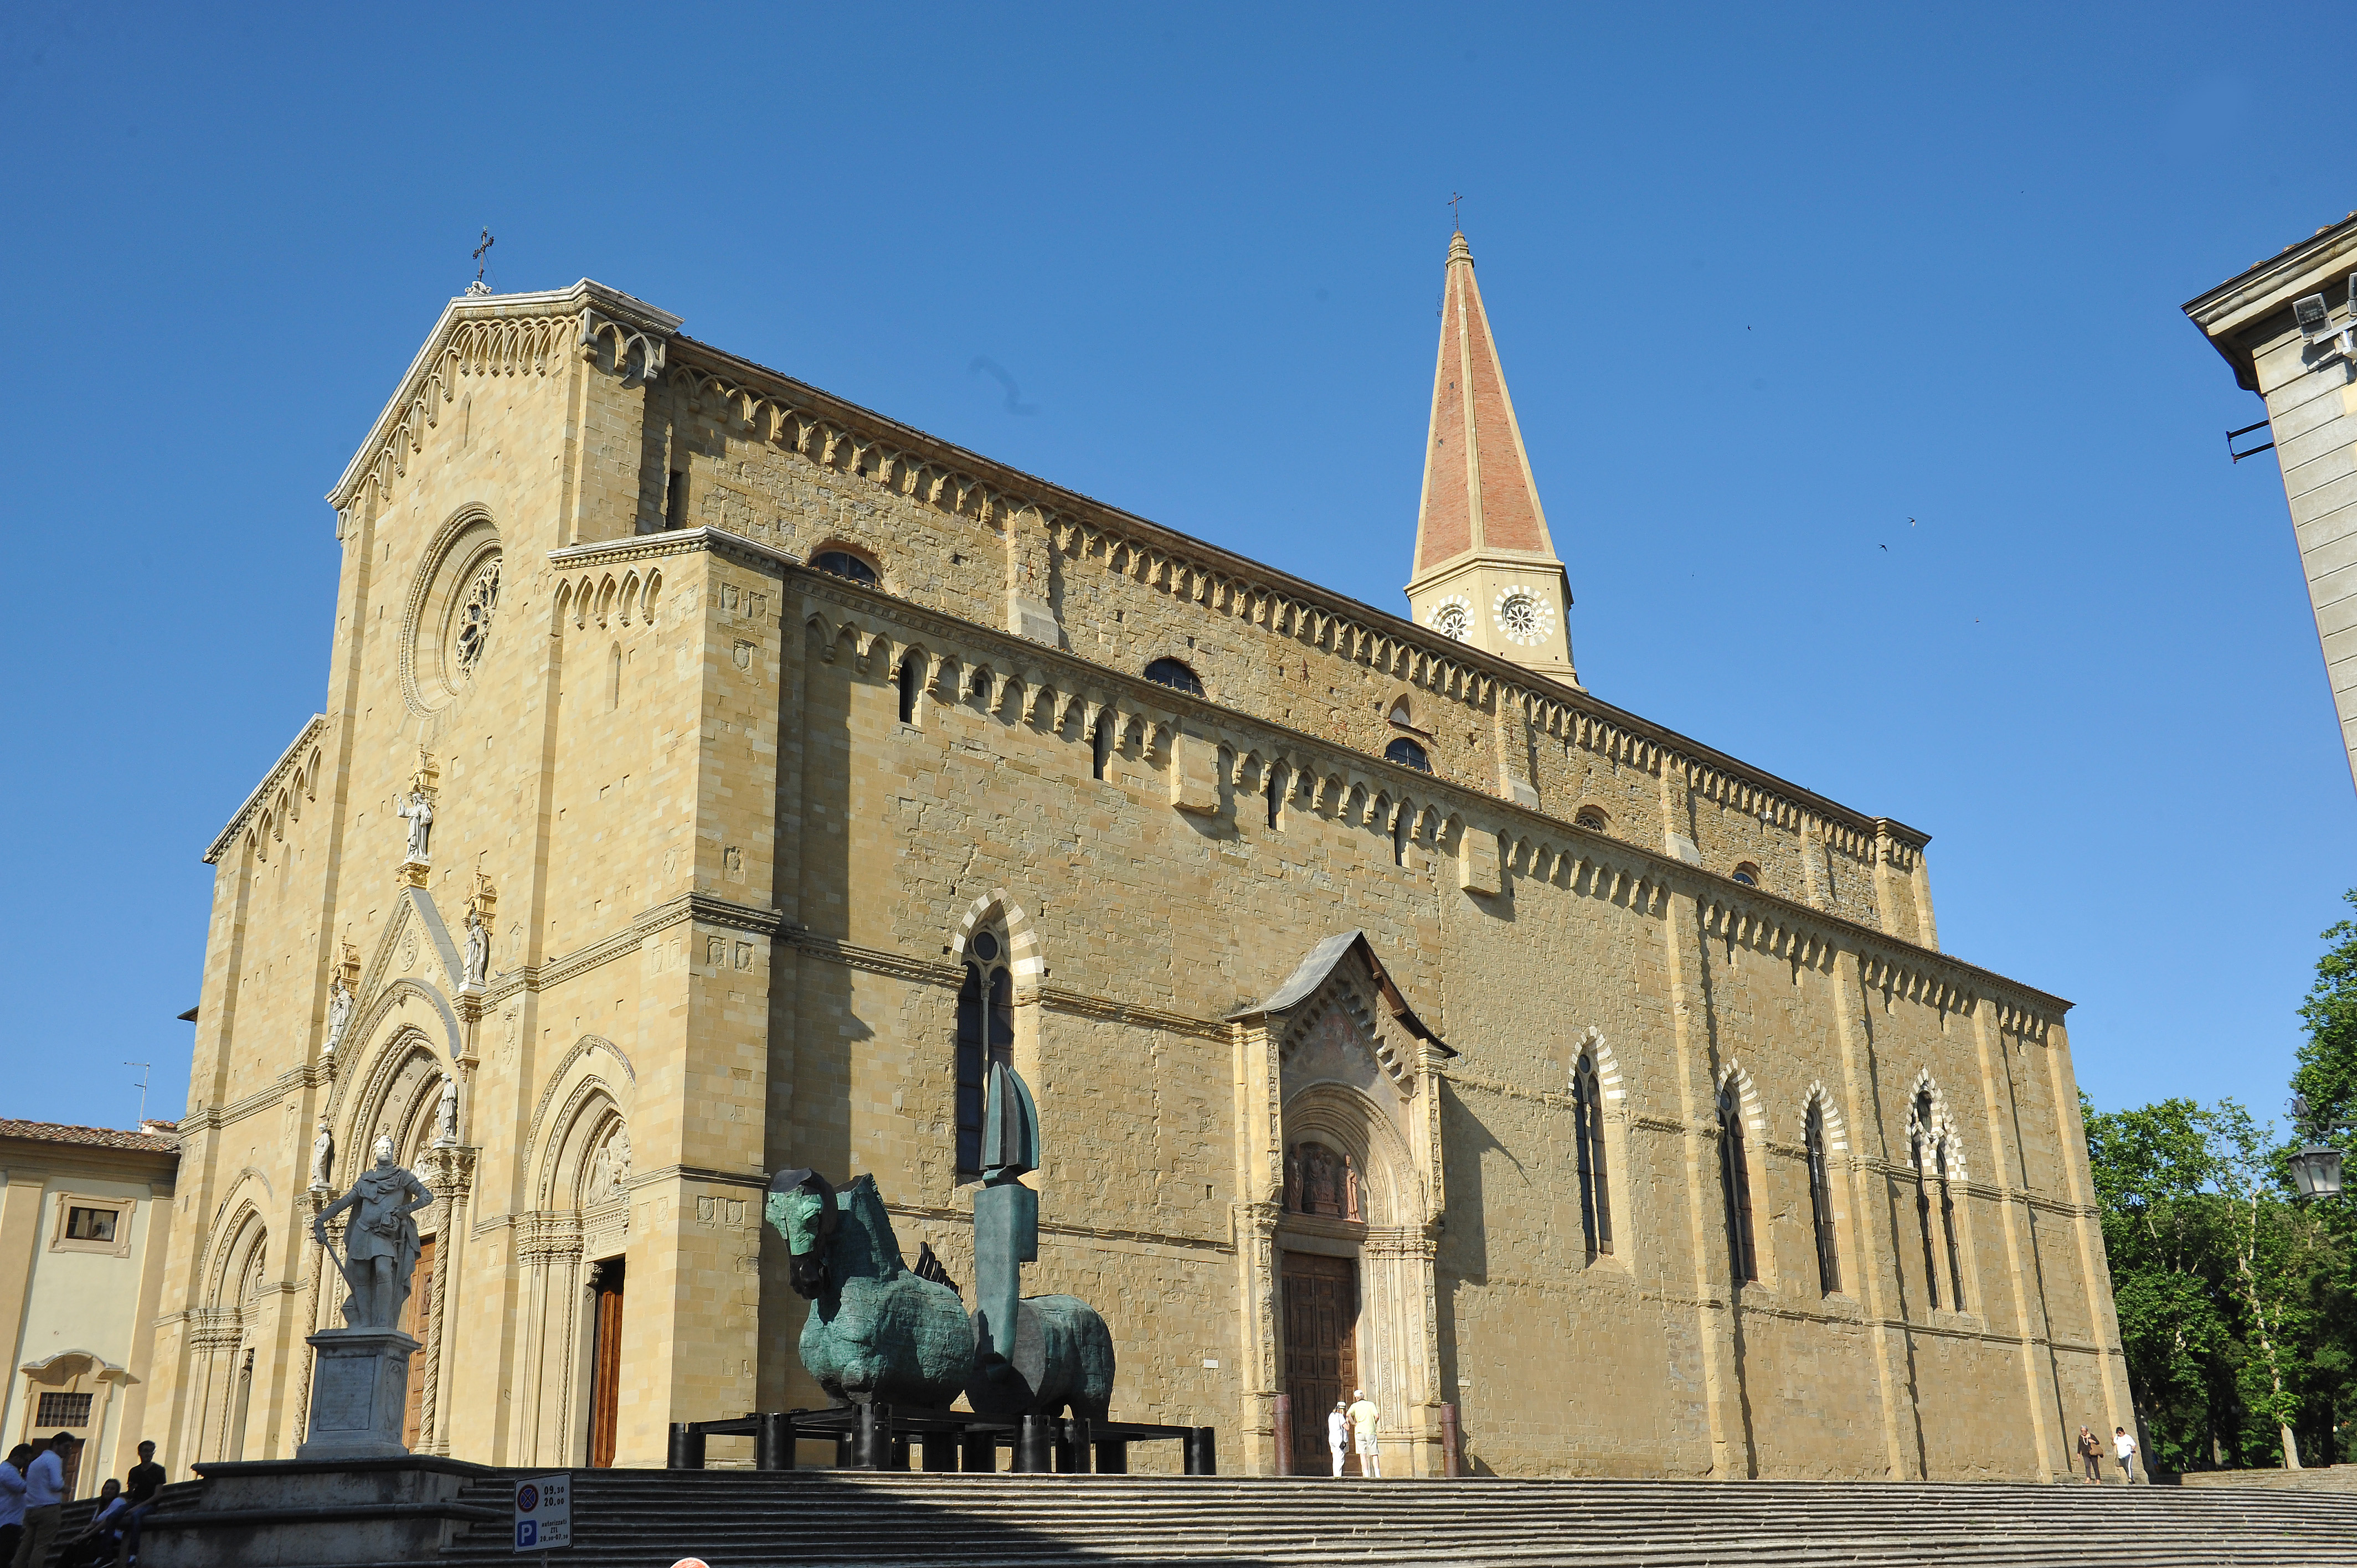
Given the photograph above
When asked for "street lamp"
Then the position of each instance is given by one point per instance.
(2316, 1168)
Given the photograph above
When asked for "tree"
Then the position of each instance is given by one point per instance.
(2326, 1074)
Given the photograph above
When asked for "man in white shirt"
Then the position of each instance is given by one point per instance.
(2124, 1446)
(1338, 1434)
(12, 1499)
(1365, 1417)
(45, 1493)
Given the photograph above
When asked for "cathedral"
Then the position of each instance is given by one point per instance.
(715, 776)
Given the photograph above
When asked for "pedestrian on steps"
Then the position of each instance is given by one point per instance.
(2126, 1445)
(45, 1496)
(2091, 1455)
(1338, 1434)
(12, 1500)
(1365, 1417)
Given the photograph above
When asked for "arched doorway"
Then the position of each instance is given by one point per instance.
(1344, 1256)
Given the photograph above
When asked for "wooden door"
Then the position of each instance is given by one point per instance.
(1322, 1348)
(605, 1360)
(416, 1313)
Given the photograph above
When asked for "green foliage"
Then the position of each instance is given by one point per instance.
(2328, 1062)
(2237, 1304)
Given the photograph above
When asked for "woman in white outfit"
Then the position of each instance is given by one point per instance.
(1338, 1435)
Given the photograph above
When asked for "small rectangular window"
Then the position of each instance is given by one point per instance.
(675, 501)
(61, 1410)
(90, 1224)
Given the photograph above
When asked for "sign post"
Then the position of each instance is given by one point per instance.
(543, 1512)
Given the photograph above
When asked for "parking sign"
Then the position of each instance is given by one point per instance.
(543, 1513)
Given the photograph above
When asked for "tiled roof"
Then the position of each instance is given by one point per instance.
(90, 1137)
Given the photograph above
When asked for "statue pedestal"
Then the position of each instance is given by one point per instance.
(359, 1391)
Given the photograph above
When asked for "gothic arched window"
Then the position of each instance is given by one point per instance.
(843, 564)
(1948, 1225)
(986, 1034)
(1918, 1151)
(1407, 754)
(1735, 1186)
(1821, 1200)
(1587, 1135)
(1170, 672)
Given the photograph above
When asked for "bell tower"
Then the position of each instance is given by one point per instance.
(1486, 571)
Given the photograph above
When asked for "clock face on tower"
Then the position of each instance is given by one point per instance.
(1521, 616)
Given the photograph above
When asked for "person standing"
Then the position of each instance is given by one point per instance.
(2091, 1455)
(1338, 1434)
(2126, 1446)
(45, 1496)
(12, 1499)
(1365, 1418)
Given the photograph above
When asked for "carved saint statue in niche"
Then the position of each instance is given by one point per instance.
(418, 812)
(323, 1155)
(479, 948)
(446, 1114)
(339, 1014)
(1320, 1181)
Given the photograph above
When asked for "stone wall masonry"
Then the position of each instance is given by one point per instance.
(734, 849)
(775, 462)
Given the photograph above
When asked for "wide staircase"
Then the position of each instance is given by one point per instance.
(650, 1518)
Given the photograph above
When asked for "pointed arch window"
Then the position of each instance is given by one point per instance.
(1407, 754)
(845, 564)
(1948, 1225)
(1735, 1186)
(1587, 1133)
(1918, 1154)
(1821, 1200)
(1176, 675)
(986, 1034)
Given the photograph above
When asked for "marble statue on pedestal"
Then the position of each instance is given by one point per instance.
(360, 1383)
(380, 1243)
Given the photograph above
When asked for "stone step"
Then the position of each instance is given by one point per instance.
(815, 1519)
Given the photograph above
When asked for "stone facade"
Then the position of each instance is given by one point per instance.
(737, 827)
(2307, 375)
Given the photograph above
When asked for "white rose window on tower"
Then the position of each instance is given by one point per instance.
(472, 624)
(1452, 618)
(1522, 616)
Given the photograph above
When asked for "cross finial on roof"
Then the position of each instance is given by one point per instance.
(483, 260)
(1454, 199)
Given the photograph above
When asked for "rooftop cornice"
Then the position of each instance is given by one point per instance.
(278, 771)
(1029, 489)
(1885, 952)
(584, 295)
(2265, 287)
(678, 542)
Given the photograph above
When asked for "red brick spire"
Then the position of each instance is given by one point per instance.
(1479, 495)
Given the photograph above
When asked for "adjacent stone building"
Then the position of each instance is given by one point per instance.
(85, 1222)
(1401, 1015)
(2288, 326)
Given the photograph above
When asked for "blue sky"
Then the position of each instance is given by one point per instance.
(1767, 285)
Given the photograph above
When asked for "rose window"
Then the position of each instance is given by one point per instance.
(1522, 616)
(1451, 622)
(474, 618)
